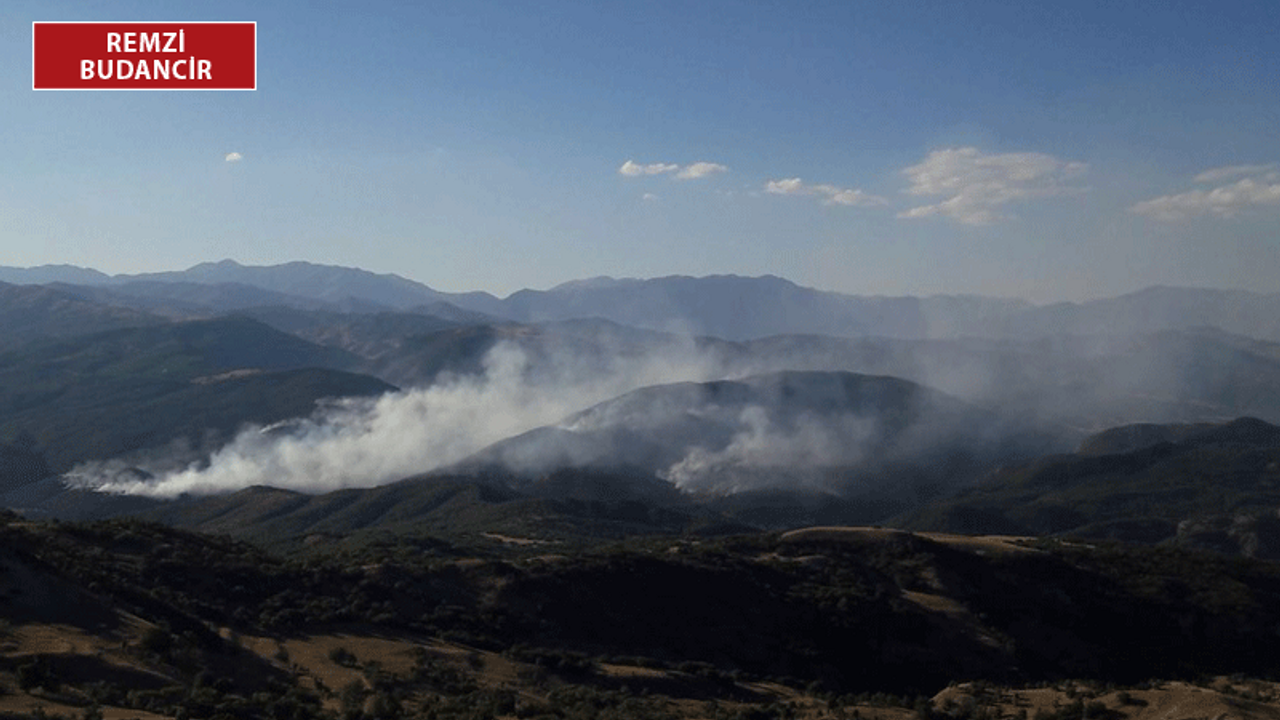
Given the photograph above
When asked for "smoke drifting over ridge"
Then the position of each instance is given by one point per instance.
(761, 444)
(830, 432)
(545, 399)
(364, 443)
(655, 411)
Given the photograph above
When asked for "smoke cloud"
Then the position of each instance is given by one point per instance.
(525, 410)
(357, 443)
(765, 450)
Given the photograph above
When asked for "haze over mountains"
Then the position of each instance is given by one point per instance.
(727, 307)
(809, 431)
(754, 399)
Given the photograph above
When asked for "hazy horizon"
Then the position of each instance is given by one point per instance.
(571, 281)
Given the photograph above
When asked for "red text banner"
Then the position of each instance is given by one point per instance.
(144, 56)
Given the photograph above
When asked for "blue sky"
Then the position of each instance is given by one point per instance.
(1048, 150)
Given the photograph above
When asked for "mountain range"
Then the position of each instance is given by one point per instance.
(609, 407)
(306, 491)
(726, 306)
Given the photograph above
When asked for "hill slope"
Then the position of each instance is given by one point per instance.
(460, 508)
(101, 395)
(30, 313)
(846, 610)
(869, 444)
(1164, 484)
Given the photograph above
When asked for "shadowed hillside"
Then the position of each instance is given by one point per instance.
(31, 313)
(102, 395)
(823, 617)
(1216, 486)
(833, 433)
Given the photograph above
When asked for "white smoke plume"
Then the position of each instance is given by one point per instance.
(763, 449)
(698, 442)
(364, 443)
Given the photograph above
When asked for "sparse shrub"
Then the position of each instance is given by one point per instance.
(535, 676)
(157, 641)
(1125, 698)
(352, 700)
(386, 706)
(565, 662)
(344, 657)
(37, 674)
(372, 671)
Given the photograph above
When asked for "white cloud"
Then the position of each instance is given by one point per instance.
(234, 157)
(649, 197)
(688, 172)
(831, 194)
(847, 196)
(631, 169)
(978, 185)
(789, 186)
(700, 170)
(1224, 201)
(1223, 173)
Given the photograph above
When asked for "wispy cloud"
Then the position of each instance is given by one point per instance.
(234, 157)
(649, 197)
(692, 171)
(1261, 187)
(978, 185)
(789, 186)
(632, 169)
(1223, 173)
(700, 170)
(831, 194)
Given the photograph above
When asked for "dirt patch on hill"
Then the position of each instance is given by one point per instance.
(983, 544)
(1221, 700)
(980, 544)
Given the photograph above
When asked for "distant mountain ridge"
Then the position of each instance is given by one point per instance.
(1160, 308)
(323, 285)
(320, 282)
(33, 312)
(726, 306)
(740, 308)
(44, 274)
